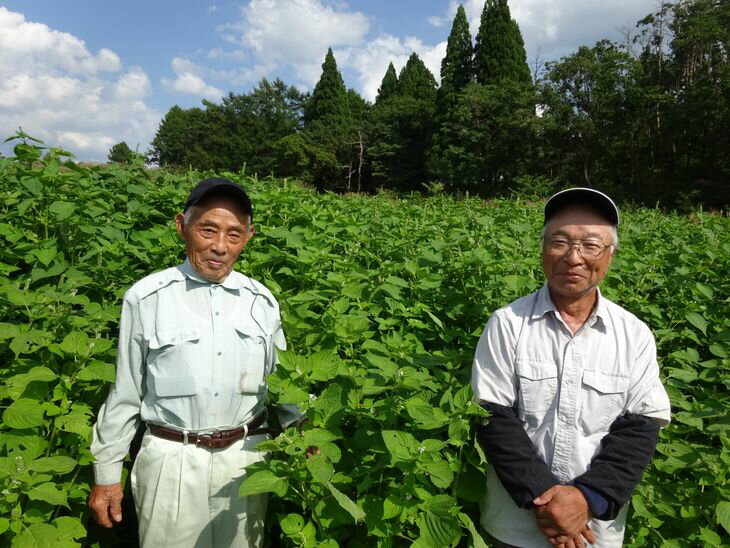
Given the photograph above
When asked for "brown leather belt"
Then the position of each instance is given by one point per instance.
(218, 439)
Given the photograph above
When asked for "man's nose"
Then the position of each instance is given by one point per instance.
(220, 245)
(574, 256)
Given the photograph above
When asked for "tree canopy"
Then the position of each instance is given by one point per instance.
(647, 118)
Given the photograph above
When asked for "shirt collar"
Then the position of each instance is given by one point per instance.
(232, 281)
(544, 304)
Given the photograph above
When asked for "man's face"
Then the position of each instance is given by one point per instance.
(572, 275)
(215, 237)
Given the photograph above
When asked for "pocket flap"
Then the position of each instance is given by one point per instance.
(606, 384)
(536, 371)
(250, 330)
(170, 387)
(173, 337)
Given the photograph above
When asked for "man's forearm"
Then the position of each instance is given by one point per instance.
(625, 452)
(521, 470)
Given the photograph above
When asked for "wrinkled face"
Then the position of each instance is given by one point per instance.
(572, 275)
(214, 237)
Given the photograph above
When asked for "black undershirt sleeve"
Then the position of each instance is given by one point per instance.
(625, 452)
(523, 473)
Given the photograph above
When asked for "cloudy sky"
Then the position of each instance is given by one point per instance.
(87, 74)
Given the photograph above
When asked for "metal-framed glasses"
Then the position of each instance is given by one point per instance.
(588, 249)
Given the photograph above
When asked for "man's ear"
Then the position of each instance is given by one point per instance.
(180, 224)
(250, 233)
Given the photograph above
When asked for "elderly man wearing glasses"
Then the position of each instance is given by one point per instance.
(572, 383)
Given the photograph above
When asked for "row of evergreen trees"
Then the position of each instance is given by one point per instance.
(648, 119)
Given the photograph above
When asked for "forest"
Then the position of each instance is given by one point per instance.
(646, 118)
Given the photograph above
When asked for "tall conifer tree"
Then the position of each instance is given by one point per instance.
(401, 127)
(499, 51)
(389, 85)
(416, 81)
(457, 71)
(328, 104)
(457, 68)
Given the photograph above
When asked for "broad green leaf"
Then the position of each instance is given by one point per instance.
(57, 464)
(23, 413)
(346, 503)
(710, 537)
(77, 421)
(698, 321)
(263, 481)
(69, 528)
(4, 524)
(76, 342)
(97, 371)
(17, 383)
(441, 474)
(317, 436)
(50, 493)
(392, 506)
(320, 468)
(476, 537)
(62, 210)
(401, 445)
(36, 535)
(8, 330)
(292, 524)
(46, 255)
(426, 415)
(324, 365)
(438, 530)
(685, 375)
(722, 513)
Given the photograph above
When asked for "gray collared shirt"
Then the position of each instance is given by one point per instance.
(192, 355)
(567, 389)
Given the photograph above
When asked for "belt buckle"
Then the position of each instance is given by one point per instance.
(212, 440)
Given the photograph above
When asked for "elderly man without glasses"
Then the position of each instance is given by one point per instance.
(195, 345)
(572, 382)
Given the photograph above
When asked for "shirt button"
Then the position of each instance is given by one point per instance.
(216, 394)
(219, 353)
(217, 313)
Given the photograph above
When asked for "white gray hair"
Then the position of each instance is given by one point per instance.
(193, 211)
(614, 236)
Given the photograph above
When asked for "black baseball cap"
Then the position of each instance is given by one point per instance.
(218, 185)
(582, 196)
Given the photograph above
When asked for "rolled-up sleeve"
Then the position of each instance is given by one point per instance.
(647, 395)
(493, 377)
(119, 416)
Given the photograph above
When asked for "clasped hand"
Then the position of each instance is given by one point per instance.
(562, 515)
(105, 502)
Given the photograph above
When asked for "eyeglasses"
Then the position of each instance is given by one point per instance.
(588, 249)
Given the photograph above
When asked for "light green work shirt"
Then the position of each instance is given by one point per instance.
(193, 355)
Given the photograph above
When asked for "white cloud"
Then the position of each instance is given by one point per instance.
(370, 62)
(189, 79)
(190, 83)
(62, 93)
(559, 27)
(212, 8)
(295, 33)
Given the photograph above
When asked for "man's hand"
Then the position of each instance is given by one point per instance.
(562, 515)
(106, 503)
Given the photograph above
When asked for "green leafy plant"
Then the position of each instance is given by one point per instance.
(383, 300)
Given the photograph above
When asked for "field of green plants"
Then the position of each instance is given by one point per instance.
(383, 300)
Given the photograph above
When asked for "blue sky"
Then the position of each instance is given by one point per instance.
(87, 74)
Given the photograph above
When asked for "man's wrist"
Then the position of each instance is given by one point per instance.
(108, 474)
(597, 503)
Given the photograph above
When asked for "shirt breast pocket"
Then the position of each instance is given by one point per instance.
(538, 385)
(253, 348)
(604, 397)
(172, 351)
